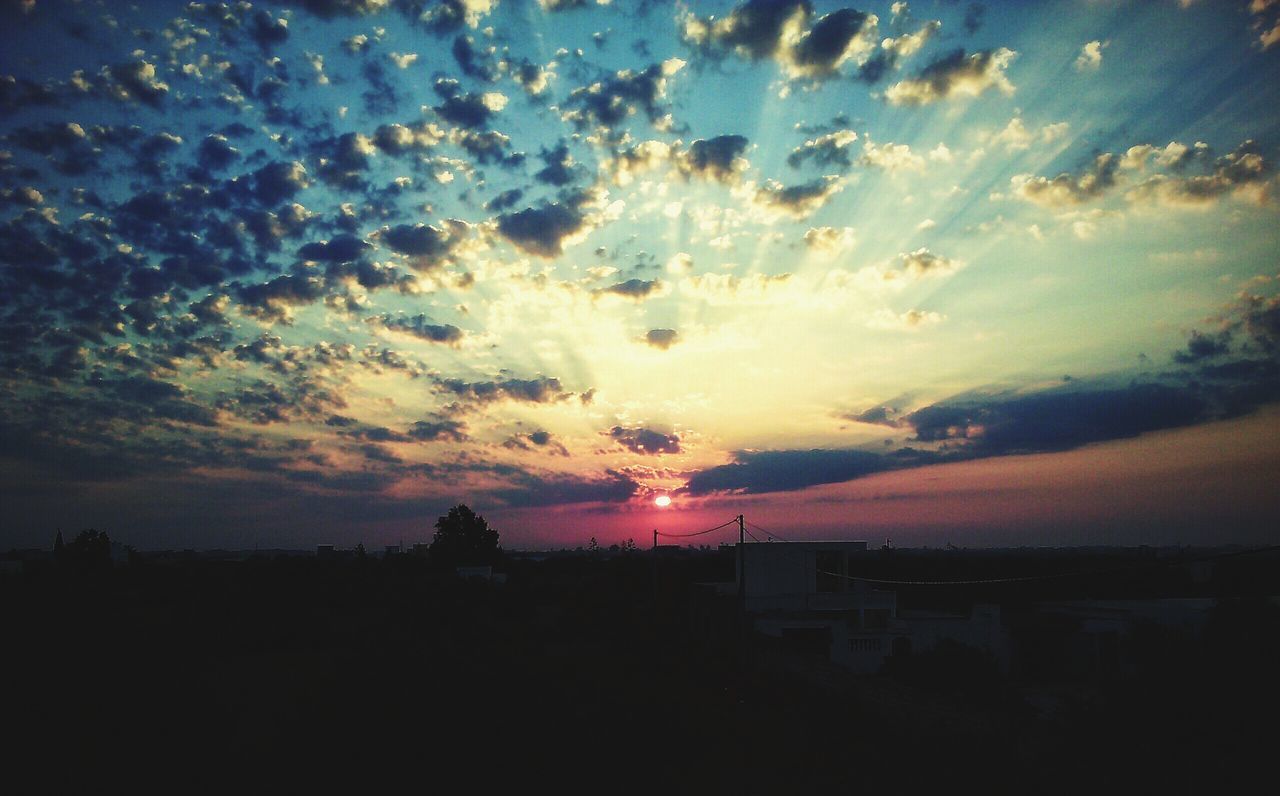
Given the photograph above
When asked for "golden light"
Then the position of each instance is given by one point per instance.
(662, 501)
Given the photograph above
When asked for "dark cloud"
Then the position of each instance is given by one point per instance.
(342, 249)
(752, 30)
(955, 74)
(786, 31)
(718, 158)
(559, 169)
(266, 30)
(270, 301)
(344, 160)
(216, 153)
(375, 434)
(1203, 346)
(536, 440)
(439, 429)
(973, 17)
(551, 490)
(487, 147)
(504, 201)
(610, 101)
(538, 390)
(829, 150)
(983, 426)
(662, 338)
(821, 50)
(419, 326)
(799, 201)
(645, 441)
(329, 9)
(276, 182)
(1056, 420)
(635, 288)
(19, 93)
(464, 108)
(471, 61)
(135, 80)
(427, 246)
(786, 470)
(544, 230)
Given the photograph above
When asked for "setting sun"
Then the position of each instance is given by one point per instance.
(662, 501)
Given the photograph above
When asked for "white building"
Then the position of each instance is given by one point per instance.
(809, 593)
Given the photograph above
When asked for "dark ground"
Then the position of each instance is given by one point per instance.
(583, 672)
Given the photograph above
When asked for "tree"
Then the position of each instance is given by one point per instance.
(89, 546)
(463, 538)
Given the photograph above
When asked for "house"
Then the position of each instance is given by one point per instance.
(808, 595)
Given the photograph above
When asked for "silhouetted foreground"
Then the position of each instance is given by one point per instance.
(583, 672)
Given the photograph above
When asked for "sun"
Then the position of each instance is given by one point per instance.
(662, 501)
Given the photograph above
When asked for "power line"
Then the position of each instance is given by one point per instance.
(767, 532)
(697, 533)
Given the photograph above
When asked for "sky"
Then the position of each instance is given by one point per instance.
(280, 274)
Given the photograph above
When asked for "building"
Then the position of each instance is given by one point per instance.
(809, 595)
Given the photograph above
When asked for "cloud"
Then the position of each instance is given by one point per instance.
(662, 338)
(644, 441)
(923, 263)
(830, 240)
(271, 301)
(971, 427)
(785, 31)
(798, 201)
(278, 181)
(829, 150)
(538, 390)
(1243, 172)
(544, 231)
(418, 326)
(466, 109)
(426, 245)
(719, 159)
(342, 249)
(399, 139)
(216, 153)
(536, 441)
(559, 167)
(890, 157)
(755, 472)
(531, 490)
(609, 102)
(438, 430)
(1067, 189)
(329, 9)
(1090, 57)
(638, 289)
(955, 75)
(1016, 137)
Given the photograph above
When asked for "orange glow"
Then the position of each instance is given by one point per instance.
(662, 501)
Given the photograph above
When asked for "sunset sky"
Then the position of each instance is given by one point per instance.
(948, 272)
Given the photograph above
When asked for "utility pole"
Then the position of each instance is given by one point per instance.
(742, 578)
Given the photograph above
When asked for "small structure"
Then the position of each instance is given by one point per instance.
(808, 594)
(802, 592)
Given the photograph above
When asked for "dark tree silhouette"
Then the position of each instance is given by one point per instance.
(89, 545)
(463, 538)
